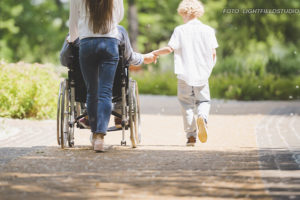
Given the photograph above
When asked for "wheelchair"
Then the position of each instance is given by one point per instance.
(71, 106)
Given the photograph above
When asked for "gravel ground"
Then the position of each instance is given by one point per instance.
(253, 152)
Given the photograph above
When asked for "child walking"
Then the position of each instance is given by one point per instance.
(194, 45)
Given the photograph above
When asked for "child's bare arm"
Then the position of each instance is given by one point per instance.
(163, 51)
(214, 55)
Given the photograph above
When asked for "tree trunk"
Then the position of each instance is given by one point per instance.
(133, 23)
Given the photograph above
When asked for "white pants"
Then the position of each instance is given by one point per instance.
(195, 102)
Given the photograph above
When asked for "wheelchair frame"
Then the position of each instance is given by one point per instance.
(69, 111)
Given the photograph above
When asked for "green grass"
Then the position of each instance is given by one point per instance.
(28, 91)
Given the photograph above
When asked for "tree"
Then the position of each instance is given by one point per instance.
(32, 31)
(133, 24)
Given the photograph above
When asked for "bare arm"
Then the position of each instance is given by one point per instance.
(214, 55)
(163, 51)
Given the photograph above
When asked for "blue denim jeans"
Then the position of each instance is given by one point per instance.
(98, 62)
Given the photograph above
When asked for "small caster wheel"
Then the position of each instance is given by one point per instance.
(71, 144)
(123, 143)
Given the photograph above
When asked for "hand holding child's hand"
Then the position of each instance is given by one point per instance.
(150, 58)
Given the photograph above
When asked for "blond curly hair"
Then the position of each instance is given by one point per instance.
(192, 8)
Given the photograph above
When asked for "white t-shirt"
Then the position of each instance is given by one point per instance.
(79, 25)
(193, 45)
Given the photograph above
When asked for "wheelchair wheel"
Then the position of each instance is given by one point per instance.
(58, 117)
(134, 114)
(64, 116)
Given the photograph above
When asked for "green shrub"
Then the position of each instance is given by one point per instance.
(227, 86)
(287, 66)
(229, 65)
(251, 87)
(160, 83)
(28, 91)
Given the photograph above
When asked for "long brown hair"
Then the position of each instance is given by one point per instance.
(100, 15)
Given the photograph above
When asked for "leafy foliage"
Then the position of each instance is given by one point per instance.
(268, 87)
(155, 83)
(227, 86)
(258, 57)
(32, 30)
(28, 91)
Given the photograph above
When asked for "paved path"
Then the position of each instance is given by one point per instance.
(278, 139)
(253, 152)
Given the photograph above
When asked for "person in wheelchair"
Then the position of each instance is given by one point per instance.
(131, 58)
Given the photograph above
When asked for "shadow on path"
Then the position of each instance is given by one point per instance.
(121, 172)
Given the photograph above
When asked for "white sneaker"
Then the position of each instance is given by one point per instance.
(202, 130)
(99, 145)
(97, 141)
